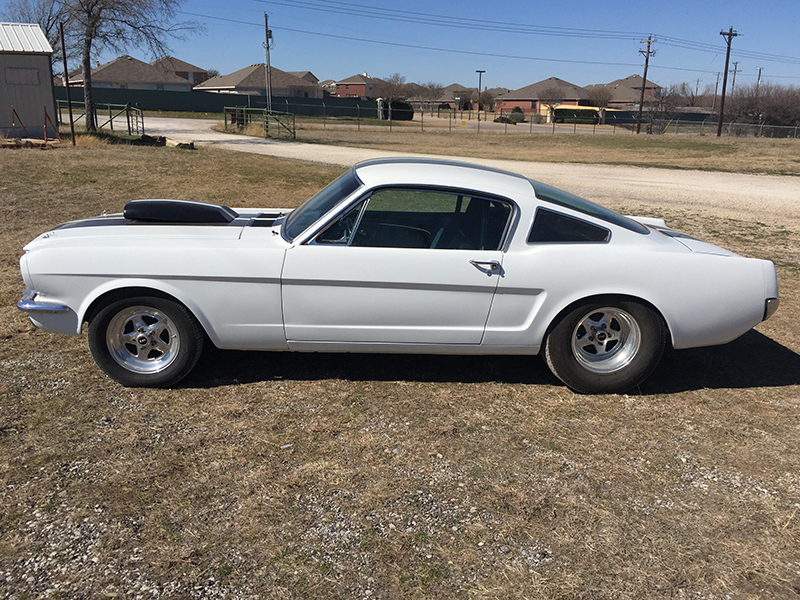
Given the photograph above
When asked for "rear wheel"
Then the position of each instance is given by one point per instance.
(606, 346)
(145, 341)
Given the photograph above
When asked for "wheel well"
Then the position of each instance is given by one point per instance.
(120, 294)
(606, 298)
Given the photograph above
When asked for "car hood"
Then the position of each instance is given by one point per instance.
(115, 226)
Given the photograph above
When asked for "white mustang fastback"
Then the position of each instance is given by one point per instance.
(414, 256)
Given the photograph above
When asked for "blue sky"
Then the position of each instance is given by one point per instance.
(516, 43)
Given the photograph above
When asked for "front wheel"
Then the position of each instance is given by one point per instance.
(606, 346)
(145, 341)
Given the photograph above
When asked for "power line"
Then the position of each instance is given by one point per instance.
(454, 22)
(459, 51)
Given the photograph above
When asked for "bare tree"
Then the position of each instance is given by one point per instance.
(486, 101)
(46, 13)
(600, 96)
(433, 90)
(551, 97)
(118, 24)
(768, 104)
(392, 88)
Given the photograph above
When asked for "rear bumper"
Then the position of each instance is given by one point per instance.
(770, 306)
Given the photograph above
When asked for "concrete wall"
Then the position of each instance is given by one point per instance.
(26, 82)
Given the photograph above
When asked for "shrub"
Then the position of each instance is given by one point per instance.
(401, 111)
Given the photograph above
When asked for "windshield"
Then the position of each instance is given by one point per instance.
(320, 203)
(562, 198)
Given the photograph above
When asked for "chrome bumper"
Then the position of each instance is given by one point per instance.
(770, 307)
(29, 304)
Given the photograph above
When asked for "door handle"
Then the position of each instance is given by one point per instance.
(487, 266)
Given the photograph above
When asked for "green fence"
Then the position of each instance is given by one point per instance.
(273, 124)
(216, 103)
(127, 117)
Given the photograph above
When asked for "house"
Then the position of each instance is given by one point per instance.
(357, 86)
(541, 96)
(128, 73)
(305, 75)
(456, 96)
(328, 87)
(252, 81)
(170, 64)
(26, 81)
(627, 92)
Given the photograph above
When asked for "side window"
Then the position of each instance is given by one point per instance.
(341, 230)
(403, 218)
(553, 227)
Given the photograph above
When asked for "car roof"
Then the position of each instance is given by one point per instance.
(442, 173)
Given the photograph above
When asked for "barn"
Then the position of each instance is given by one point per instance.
(26, 81)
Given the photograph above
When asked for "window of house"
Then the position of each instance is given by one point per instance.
(20, 76)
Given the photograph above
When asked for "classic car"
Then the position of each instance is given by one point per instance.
(400, 255)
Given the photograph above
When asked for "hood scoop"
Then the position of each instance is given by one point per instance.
(178, 211)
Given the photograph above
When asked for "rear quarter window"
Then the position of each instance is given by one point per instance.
(552, 227)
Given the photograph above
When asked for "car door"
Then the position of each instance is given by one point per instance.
(402, 266)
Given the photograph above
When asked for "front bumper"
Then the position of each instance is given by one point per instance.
(30, 305)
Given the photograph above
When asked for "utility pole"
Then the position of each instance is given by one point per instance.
(758, 81)
(479, 98)
(267, 69)
(716, 88)
(647, 54)
(728, 35)
(734, 70)
(66, 83)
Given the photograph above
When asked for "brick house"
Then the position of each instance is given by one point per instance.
(357, 86)
(529, 99)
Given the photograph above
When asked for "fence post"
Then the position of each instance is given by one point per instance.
(450, 119)
(128, 117)
(575, 123)
(323, 115)
(110, 118)
(390, 117)
(358, 108)
(422, 120)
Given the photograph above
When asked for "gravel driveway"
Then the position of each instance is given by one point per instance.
(767, 198)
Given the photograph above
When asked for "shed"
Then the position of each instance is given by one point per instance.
(26, 81)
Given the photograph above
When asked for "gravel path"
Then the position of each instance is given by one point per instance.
(767, 198)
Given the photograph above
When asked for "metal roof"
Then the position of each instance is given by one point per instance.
(23, 37)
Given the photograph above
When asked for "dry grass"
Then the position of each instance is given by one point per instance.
(740, 155)
(314, 476)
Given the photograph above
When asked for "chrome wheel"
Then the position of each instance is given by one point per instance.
(605, 345)
(606, 340)
(143, 340)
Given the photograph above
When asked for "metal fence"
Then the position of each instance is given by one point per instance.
(709, 127)
(273, 124)
(127, 117)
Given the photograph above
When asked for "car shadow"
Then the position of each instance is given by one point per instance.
(753, 360)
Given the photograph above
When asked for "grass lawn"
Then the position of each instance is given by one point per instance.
(737, 155)
(340, 476)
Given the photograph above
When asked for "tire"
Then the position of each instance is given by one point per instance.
(606, 346)
(145, 341)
